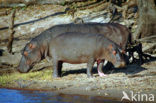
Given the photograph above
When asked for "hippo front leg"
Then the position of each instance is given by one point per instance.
(99, 68)
(89, 67)
(55, 68)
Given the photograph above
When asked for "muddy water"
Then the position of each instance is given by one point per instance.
(26, 96)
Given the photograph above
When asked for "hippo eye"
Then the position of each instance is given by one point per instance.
(31, 46)
(114, 52)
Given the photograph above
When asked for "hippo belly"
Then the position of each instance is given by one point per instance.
(73, 51)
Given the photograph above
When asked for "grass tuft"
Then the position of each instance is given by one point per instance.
(6, 79)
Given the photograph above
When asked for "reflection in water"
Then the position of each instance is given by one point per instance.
(25, 96)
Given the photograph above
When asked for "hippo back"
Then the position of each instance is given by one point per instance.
(114, 31)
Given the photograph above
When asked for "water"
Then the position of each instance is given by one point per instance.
(26, 96)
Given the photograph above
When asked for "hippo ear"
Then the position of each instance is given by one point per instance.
(114, 52)
(32, 45)
(25, 53)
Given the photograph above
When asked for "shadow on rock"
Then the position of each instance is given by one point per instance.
(1, 52)
(131, 69)
(148, 58)
(108, 69)
(79, 71)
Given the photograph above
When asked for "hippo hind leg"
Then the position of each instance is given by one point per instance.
(89, 67)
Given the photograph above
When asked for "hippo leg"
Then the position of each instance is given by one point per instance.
(55, 68)
(99, 68)
(89, 67)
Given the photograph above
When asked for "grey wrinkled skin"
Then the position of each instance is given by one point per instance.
(115, 32)
(75, 48)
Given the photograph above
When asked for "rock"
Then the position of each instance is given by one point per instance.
(10, 59)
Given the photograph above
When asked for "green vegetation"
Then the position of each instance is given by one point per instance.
(6, 79)
(23, 8)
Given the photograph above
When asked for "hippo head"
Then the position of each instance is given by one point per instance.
(116, 56)
(30, 55)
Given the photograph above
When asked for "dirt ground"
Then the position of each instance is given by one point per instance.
(137, 78)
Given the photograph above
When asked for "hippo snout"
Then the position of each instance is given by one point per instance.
(21, 71)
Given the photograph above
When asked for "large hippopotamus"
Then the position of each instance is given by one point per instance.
(38, 48)
(76, 47)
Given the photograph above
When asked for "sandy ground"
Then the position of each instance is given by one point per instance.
(136, 78)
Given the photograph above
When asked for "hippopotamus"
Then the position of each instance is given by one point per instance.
(38, 48)
(76, 47)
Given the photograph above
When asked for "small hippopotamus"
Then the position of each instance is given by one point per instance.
(75, 48)
(38, 48)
